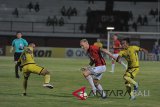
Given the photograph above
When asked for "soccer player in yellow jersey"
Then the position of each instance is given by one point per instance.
(28, 66)
(98, 43)
(131, 56)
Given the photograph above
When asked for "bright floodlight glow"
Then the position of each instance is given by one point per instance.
(110, 28)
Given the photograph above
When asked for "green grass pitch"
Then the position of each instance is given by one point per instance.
(66, 77)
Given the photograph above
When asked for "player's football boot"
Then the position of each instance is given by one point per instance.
(111, 71)
(132, 97)
(94, 92)
(17, 76)
(48, 85)
(104, 96)
(24, 94)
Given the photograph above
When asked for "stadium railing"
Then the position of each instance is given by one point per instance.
(26, 26)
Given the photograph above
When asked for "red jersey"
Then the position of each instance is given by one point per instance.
(116, 44)
(95, 55)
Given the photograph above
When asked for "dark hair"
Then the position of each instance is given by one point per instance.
(31, 43)
(127, 40)
(18, 32)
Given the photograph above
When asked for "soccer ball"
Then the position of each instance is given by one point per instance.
(84, 95)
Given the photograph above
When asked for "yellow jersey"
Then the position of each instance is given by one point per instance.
(98, 44)
(130, 54)
(27, 56)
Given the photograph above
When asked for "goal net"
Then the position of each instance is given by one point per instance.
(147, 40)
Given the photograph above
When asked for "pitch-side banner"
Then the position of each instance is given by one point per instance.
(2, 51)
(75, 53)
(68, 53)
(49, 52)
(42, 52)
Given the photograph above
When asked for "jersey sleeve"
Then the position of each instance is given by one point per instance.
(13, 43)
(25, 42)
(136, 48)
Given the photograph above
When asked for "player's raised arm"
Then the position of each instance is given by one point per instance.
(144, 50)
(108, 53)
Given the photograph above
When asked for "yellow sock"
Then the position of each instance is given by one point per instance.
(47, 78)
(130, 80)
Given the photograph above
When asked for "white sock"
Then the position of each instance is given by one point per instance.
(125, 65)
(99, 87)
(113, 65)
(90, 80)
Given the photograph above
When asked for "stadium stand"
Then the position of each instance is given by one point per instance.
(53, 7)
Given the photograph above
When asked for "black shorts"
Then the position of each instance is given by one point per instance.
(17, 55)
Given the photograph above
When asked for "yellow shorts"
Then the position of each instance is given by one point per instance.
(32, 68)
(131, 72)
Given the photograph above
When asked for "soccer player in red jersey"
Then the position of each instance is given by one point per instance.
(94, 74)
(116, 49)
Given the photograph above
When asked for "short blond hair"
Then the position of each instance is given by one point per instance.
(84, 40)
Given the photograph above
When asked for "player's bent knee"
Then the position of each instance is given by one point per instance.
(86, 73)
(126, 82)
(44, 72)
